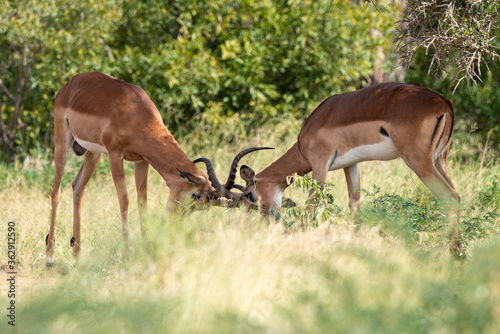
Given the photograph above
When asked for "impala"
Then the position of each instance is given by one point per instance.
(381, 122)
(95, 113)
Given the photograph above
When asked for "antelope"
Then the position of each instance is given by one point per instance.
(95, 113)
(381, 122)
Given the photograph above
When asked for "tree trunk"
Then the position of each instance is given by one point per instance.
(8, 133)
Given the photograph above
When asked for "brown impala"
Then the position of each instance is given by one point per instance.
(381, 122)
(95, 113)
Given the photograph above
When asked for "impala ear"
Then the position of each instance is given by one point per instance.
(195, 180)
(287, 203)
(247, 174)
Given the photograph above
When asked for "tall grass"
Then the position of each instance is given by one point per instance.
(388, 270)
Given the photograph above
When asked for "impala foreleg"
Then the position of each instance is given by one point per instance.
(319, 172)
(141, 183)
(62, 138)
(60, 158)
(118, 173)
(89, 165)
(352, 177)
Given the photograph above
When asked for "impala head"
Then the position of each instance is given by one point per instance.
(197, 186)
(263, 192)
(250, 195)
(224, 190)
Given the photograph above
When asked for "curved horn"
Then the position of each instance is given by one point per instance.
(239, 187)
(219, 190)
(234, 166)
(225, 191)
(211, 173)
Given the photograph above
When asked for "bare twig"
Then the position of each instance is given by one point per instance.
(21, 83)
(459, 33)
(6, 90)
(3, 127)
(106, 47)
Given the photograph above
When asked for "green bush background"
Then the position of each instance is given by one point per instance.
(227, 75)
(215, 69)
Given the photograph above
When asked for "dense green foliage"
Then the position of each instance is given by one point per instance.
(217, 70)
(43, 44)
(213, 66)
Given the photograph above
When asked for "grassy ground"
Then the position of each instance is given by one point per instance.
(228, 271)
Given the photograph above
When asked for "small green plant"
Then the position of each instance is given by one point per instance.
(319, 208)
(418, 217)
(486, 204)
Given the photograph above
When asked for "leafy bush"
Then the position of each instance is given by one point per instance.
(42, 45)
(226, 67)
(318, 209)
(399, 215)
(221, 68)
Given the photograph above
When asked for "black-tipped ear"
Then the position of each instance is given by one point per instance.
(247, 174)
(287, 203)
(195, 180)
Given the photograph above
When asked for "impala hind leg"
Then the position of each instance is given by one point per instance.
(352, 177)
(62, 142)
(141, 183)
(440, 164)
(441, 186)
(433, 179)
(118, 173)
(89, 165)
(456, 244)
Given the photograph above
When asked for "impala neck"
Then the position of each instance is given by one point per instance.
(165, 155)
(292, 162)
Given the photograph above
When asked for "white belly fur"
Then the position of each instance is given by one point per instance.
(278, 196)
(381, 151)
(91, 146)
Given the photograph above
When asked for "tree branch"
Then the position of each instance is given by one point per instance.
(460, 34)
(3, 127)
(21, 83)
(6, 91)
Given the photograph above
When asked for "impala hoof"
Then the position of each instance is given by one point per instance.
(458, 249)
(49, 263)
(72, 241)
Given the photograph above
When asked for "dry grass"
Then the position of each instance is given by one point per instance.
(229, 271)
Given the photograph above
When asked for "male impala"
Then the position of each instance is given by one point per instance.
(95, 113)
(381, 122)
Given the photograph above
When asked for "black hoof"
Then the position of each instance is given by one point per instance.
(72, 241)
